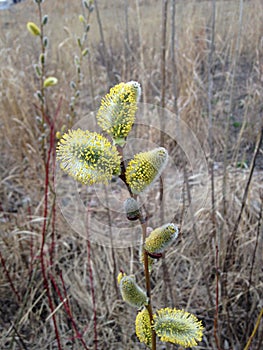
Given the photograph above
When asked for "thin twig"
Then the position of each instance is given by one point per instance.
(173, 60)
(91, 283)
(217, 340)
(42, 250)
(253, 265)
(147, 280)
(126, 40)
(175, 85)
(104, 49)
(47, 158)
(210, 113)
(254, 330)
(230, 258)
(163, 83)
(142, 65)
(13, 327)
(9, 277)
(65, 303)
(230, 245)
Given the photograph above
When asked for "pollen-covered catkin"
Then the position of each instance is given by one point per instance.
(145, 168)
(161, 238)
(178, 327)
(88, 157)
(143, 327)
(131, 292)
(116, 114)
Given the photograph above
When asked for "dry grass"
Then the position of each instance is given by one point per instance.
(25, 320)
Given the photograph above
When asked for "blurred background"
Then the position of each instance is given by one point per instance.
(202, 61)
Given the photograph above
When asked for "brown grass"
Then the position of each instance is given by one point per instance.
(25, 319)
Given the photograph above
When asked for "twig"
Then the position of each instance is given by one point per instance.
(42, 76)
(65, 303)
(9, 277)
(253, 264)
(175, 85)
(52, 182)
(230, 245)
(104, 49)
(147, 280)
(163, 53)
(126, 40)
(217, 340)
(210, 113)
(91, 283)
(91, 83)
(254, 330)
(142, 65)
(15, 332)
(42, 252)
(174, 67)
(230, 258)
(163, 83)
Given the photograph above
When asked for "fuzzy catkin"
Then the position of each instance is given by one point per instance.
(88, 157)
(178, 327)
(145, 168)
(131, 292)
(161, 238)
(116, 114)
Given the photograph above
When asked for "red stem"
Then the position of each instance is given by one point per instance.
(67, 307)
(42, 254)
(52, 148)
(51, 124)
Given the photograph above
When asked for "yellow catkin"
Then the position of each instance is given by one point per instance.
(50, 81)
(88, 157)
(116, 114)
(161, 238)
(132, 293)
(33, 28)
(143, 327)
(178, 327)
(145, 168)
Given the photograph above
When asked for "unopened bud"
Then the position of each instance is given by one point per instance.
(131, 209)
